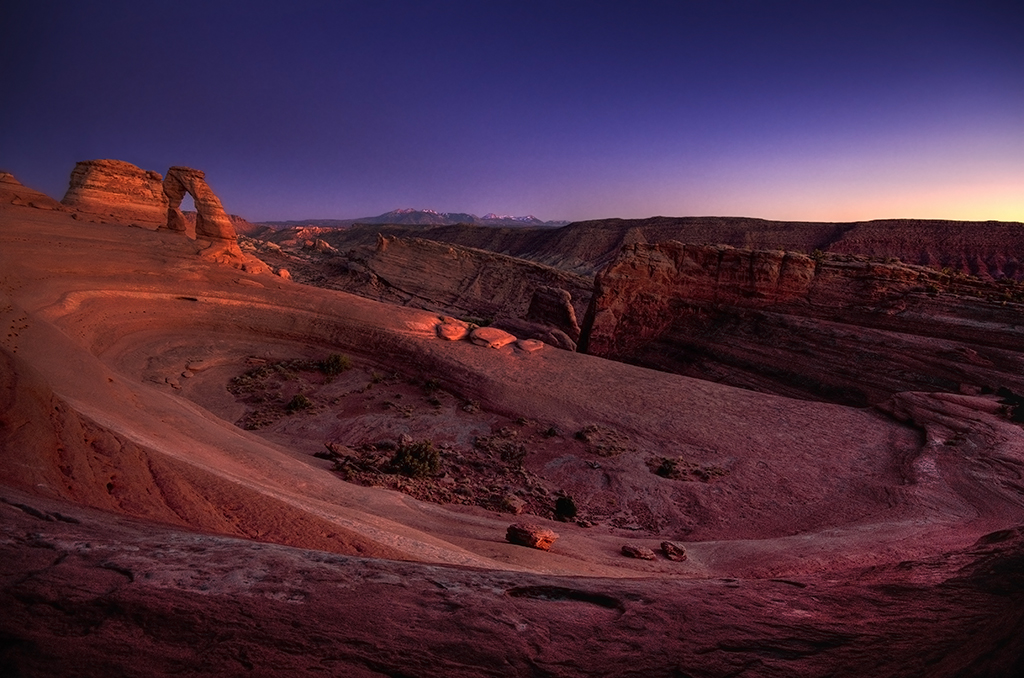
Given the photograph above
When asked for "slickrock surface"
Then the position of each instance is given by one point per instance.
(118, 191)
(143, 532)
(843, 329)
(12, 191)
(92, 595)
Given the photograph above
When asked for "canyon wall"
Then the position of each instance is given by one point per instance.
(836, 328)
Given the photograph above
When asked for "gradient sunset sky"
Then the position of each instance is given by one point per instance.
(831, 111)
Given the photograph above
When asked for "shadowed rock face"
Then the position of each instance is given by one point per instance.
(212, 223)
(114, 188)
(840, 329)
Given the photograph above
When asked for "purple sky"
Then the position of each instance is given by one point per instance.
(566, 110)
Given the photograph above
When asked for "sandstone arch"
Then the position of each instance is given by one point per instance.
(212, 222)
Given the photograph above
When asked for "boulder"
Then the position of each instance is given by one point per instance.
(673, 551)
(491, 337)
(551, 336)
(534, 536)
(118, 189)
(639, 552)
(452, 329)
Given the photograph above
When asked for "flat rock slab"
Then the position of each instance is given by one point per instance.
(491, 337)
(529, 345)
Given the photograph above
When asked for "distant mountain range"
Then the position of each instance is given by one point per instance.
(415, 217)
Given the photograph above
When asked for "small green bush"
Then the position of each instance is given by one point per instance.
(299, 402)
(335, 364)
(416, 460)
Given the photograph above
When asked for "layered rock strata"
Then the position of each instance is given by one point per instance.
(841, 329)
(118, 189)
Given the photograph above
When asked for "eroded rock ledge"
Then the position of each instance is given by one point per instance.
(837, 328)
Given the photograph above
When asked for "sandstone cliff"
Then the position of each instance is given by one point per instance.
(118, 189)
(843, 329)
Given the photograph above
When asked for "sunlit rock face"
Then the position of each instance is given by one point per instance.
(118, 189)
(835, 328)
(212, 222)
(121, 192)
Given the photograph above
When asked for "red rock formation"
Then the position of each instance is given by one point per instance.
(117, 189)
(212, 222)
(843, 329)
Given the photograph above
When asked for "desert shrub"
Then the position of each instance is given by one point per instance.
(335, 364)
(416, 460)
(565, 508)
(299, 402)
(1014, 404)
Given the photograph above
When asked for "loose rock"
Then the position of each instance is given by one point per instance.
(525, 534)
(529, 345)
(452, 330)
(639, 552)
(673, 551)
(491, 337)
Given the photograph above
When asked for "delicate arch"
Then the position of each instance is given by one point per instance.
(212, 223)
